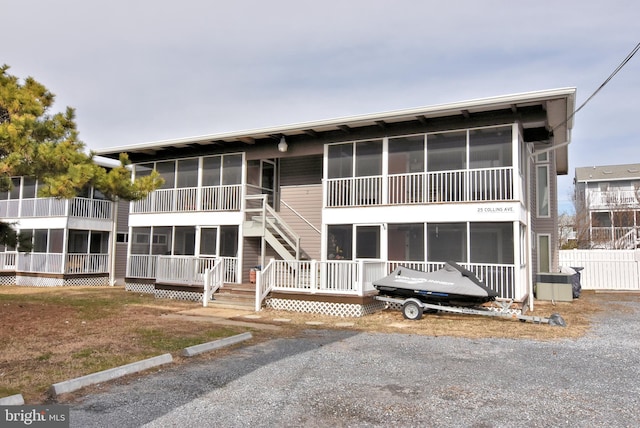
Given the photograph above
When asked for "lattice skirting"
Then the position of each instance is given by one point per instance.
(178, 295)
(351, 310)
(43, 281)
(140, 288)
(7, 280)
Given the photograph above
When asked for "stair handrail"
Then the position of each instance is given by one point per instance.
(630, 238)
(300, 216)
(278, 224)
(283, 229)
(213, 280)
(264, 283)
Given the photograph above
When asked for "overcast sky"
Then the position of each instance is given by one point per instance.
(143, 71)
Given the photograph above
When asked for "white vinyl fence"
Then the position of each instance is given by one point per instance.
(605, 269)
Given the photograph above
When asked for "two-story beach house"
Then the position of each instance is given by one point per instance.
(69, 241)
(324, 208)
(608, 206)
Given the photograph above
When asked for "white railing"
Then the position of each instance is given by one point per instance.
(40, 262)
(8, 261)
(190, 270)
(142, 266)
(53, 207)
(189, 199)
(90, 208)
(87, 263)
(354, 191)
(485, 184)
(615, 199)
(213, 280)
(356, 277)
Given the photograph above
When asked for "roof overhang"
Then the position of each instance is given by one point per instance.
(553, 127)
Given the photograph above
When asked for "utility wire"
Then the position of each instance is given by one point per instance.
(622, 64)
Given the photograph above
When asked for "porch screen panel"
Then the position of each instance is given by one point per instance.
(368, 158)
(491, 243)
(143, 169)
(368, 242)
(447, 242)
(141, 240)
(447, 151)
(208, 240)
(406, 154)
(187, 175)
(14, 193)
(229, 241)
(340, 160)
(161, 240)
(184, 242)
(40, 240)
(99, 243)
(28, 188)
(211, 171)
(339, 242)
(56, 240)
(167, 171)
(231, 169)
(79, 241)
(490, 147)
(405, 242)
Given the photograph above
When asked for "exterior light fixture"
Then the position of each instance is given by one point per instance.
(282, 145)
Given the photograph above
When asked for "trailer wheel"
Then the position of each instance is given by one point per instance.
(411, 310)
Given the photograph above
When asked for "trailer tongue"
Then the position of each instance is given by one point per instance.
(450, 289)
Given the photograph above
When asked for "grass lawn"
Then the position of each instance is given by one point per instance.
(49, 335)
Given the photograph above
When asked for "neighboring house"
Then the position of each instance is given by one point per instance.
(339, 203)
(608, 206)
(567, 235)
(71, 239)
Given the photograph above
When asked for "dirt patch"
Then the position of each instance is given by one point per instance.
(54, 334)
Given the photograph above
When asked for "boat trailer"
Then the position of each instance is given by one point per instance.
(413, 309)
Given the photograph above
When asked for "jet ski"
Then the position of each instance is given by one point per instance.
(452, 285)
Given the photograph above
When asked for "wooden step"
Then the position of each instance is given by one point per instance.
(236, 296)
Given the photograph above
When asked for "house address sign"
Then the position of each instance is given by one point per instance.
(495, 210)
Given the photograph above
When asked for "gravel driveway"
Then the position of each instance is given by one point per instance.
(346, 378)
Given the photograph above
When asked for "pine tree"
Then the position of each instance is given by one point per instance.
(37, 143)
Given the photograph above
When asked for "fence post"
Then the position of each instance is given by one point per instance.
(359, 280)
(207, 286)
(258, 290)
(313, 275)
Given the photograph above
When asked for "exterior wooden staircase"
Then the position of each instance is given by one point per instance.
(235, 296)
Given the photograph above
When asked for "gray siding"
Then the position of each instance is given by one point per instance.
(307, 203)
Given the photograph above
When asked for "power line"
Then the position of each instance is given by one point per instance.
(618, 68)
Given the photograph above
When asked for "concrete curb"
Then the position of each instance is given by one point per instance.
(216, 344)
(12, 400)
(106, 375)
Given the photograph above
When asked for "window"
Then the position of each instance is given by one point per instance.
(78, 241)
(40, 240)
(544, 253)
(122, 238)
(405, 242)
(542, 190)
(447, 242)
(184, 242)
